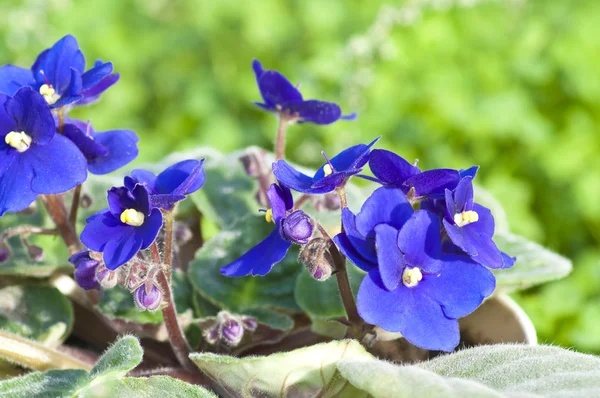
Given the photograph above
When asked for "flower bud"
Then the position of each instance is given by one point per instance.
(107, 278)
(85, 201)
(212, 335)
(148, 298)
(296, 227)
(249, 323)
(328, 202)
(85, 270)
(35, 252)
(317, 259)
(232, 331)
(4, 252)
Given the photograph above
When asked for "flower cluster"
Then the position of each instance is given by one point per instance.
(42, 151)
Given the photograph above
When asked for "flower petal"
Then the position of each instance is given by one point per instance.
(121, 148)
(144, 177)
(15, 182)
(119, 251)
(86, 144)
(364, 246)
(352, 158)
(387, 205)
(389, 258)
(182, 178)
(96, 74)
(419, 240)
(276, 89)
(54, 67)
(58, 166)
(391, 168)
(314, 111)
(408, 311)
(349, 250)
(433, 183)
(277, 202)
(32, 115)
(12, 78)
(101, 228)
(148, 231)
(291, 178)
(120, 199)
(260, 259)
(92, 94)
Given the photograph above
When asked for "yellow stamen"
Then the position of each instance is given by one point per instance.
(132, 217)
(49, 94)
(327, 169)
(18, 140)
(411, 277)
(466, 218)
(269, 215)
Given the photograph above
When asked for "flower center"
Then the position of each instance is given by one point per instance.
(466, 218)
(132, 217)
(49, 94)
(269, 215)
(18, 140)
(327, 169)
(411, 277)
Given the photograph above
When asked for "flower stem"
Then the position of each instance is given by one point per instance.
(179, 343)
(169, 241)
(55, 205)
(280, 140)
(75, 205)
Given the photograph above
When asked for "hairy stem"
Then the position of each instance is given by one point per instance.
(280, 140)
(75, 205)
(169, 240)
(26, 230)
(55, 204)
(179, 343)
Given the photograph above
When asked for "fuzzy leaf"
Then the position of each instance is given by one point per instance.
(535, 265)
(307, 371)
(119, 359)
(236, 294)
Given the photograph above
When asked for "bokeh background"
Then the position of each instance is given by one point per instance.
(513, 86)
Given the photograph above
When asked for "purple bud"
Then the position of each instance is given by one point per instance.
(249, 323)
(232, 331)
(4, 252)
(85, 201)
(107, 278)
(35, 252)
(317, 259)
(85, 270)
(296, 227)
(212, 335)
(148, 300)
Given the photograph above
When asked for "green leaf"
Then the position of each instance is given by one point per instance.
(36, 312)
(159, 386)
(229, 193)
(53, 383)
(307, 371)
(237, 294)
(535, 265)
(485, 371)
(275, 320)
(120, 358)
(321, 300)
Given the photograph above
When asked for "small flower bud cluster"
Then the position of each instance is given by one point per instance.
(229, 329)
(317, 259)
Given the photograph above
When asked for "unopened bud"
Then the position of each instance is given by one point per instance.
(85, 270)
(107, 278)
(35, 252)
(317, 259)
(212, 335)
(85, 201)
(296, 227)
(249, 323)
(4, 252)
(328, 202)
(148, 298)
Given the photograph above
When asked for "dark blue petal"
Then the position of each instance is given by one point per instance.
(364, 246)
(142, 199)
(389, 258)
(120, 199)
(54, 67)
(93, 93)
(276, 89)
(351, 116)
(291, 178)
(296, 227)
(458, 236)
(433, 183)
(144, 177)
(268, 108)
(261, 258)
(15, 183)
(150, 228)
(508, 260)
(408, 311)
(349, 250)
(258, 69)
(277, 202)
(101, 228)
(461, 286)
(163, 200)
(7, 123)
(463, 195)
(12, 78)
(32, 115)
(71, 93)
(470, 172)
(121, 148)
(419, 240)
(95, 75)
(486, 219)
(352, 158)
(120, 250)
(58, 166)
(334, 180)
(391, 168)
(488, 253)
(387, 205)
(313, 111)
(182, 178)
(86, 144)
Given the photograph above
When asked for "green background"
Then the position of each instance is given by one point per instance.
(512, 86)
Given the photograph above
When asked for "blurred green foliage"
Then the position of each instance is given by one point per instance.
(512, 86)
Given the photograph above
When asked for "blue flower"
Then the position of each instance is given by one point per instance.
(59, 75)
(85, 270)
(129, 225)
(105, 151)
(411, 287)
(33, 158)
(290, 227)
(470, 226)
(333, 174)
(391, 169)
(172, 185)
(280, 96)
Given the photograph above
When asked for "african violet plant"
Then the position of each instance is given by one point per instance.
(343, 268)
